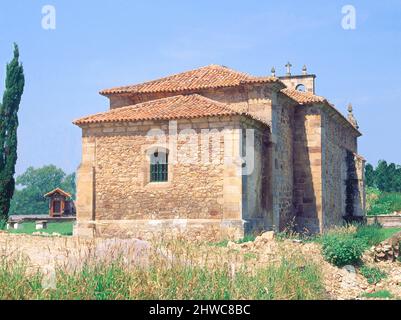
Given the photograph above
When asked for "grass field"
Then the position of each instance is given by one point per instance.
(185, 277)
(190, 275)
(63, 228)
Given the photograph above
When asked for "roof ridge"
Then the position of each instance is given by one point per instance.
(312, 98)
(210, 76)
(292, 93)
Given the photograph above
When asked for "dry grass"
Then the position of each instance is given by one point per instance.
(168, 269)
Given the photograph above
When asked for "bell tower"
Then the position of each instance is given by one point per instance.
(303, 82)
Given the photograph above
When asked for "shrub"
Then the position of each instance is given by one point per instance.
(380, 207)
(378, 202)
(373, 274)
(342, 249)
(394, 199)
(372, 195)
(345, 245)
(382, 294)
(374, 234)
(371, 235)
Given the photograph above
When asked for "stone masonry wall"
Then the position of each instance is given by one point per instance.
(283, 165)
(236, 97)
(256, 179)
(115, 158)
(336, 140)
(308, 169)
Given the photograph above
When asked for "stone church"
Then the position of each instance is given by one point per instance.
(216, 153)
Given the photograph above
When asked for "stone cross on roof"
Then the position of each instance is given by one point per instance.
(288, 66)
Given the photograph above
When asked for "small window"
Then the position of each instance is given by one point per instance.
(300, 88)
(159, 166)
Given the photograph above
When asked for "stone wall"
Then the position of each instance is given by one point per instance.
(321, 141)
(336, 140)
(237, 97)
(113, 179)
(308, 169)
(283, 161)
(293, 82)
(387, 221)
(256, 179)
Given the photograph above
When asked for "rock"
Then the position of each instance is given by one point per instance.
(349, 269)
(231, 245)
(265, 237)
(269, 235)
(246, 245)
(388, 250)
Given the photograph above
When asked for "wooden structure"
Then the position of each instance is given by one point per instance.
(60, 203)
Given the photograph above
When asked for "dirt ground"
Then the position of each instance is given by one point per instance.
(40, 252)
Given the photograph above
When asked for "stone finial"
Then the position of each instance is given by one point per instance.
(350, 108)
(273, 72)
(288, 66)
(351, 117)
(304, 70)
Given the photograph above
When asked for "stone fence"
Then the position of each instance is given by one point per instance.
(33, 218)
(387, 221)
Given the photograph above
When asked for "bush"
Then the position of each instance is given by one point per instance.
(342, 249)
(345, 245)
(373, 234)
(378, 208)
(372, 274)
(378, 202)
(370, 234)
(382, 294)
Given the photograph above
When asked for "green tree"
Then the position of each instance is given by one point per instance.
(381, 175)
(14, 88)
(370, 176)
(34, 183)
(386, 177)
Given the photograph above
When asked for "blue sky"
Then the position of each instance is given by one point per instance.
(100, 44)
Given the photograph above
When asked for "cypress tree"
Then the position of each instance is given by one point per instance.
(14, 87)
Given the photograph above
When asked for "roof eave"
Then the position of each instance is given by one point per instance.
(337, 113)
(276, 82)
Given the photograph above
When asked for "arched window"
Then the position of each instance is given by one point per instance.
(159, 166)
(301, 88)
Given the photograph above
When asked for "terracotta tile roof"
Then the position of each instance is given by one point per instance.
(58, 190)
(212, 76)
(176, 107)
(303, 97)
